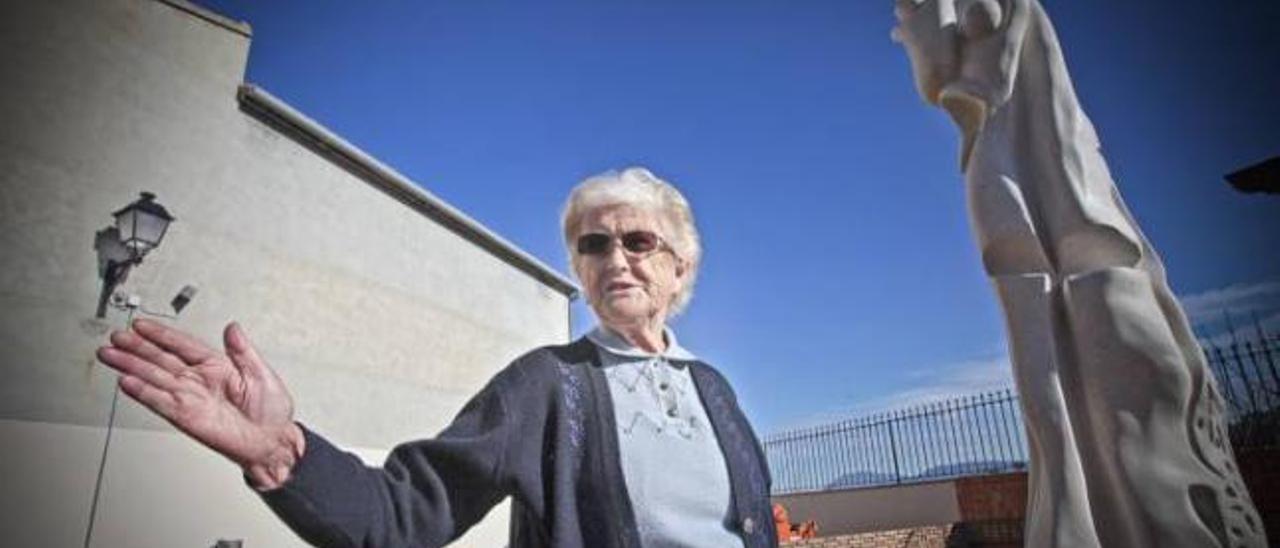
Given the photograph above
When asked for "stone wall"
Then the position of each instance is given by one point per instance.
(992, 497)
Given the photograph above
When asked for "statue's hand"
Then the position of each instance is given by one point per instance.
(927, 30)
(979, 18)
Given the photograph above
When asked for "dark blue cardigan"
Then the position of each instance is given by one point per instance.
(543, 432)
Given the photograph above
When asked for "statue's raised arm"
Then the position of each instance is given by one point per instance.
(1125, 423)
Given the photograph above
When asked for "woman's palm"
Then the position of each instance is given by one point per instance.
(233, 402)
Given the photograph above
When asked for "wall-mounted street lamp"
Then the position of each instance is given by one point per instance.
(140, 226)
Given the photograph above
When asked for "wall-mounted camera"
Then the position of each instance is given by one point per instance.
(128, 301)
(183, 298)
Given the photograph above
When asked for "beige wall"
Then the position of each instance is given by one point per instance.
(381, 320)
(875, 509)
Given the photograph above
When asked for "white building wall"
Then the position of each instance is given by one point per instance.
(381, 319)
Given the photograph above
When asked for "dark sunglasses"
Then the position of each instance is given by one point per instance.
(636, 242)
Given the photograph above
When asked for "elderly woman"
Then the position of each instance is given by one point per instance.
(621, 438)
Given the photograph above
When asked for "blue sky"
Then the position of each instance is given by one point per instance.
(840, 275)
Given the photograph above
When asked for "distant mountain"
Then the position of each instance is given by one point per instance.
(971, 468)
(867, 478)
(859, 479)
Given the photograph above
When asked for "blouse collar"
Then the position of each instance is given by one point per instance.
(615, 344)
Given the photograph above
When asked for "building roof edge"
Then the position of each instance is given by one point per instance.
(257, 101)
(239, 27)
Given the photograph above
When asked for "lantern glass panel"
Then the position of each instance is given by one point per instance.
(125, 223)
(140, 231)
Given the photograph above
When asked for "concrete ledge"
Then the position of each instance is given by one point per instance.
(883, 508)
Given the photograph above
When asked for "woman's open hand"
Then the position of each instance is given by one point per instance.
(232, 403)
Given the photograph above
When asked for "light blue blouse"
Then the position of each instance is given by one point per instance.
(671, 461)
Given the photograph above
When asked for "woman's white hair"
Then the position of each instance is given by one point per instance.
(638, 187)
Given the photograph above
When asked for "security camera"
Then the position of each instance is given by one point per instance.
(183, 298)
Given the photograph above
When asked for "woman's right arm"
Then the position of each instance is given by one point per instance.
(231, 401)
(427, 493)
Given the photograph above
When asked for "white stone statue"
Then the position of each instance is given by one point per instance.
(1125, 422)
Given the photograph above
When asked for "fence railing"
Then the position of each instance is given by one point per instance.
(985, 434)
(961, 436)
(1247, 366)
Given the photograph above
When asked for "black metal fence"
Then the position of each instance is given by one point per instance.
(984, 433)
(962, 436)
(1246, 363)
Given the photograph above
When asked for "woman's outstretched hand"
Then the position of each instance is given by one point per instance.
(232, 403)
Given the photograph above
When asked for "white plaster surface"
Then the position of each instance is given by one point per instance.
(1125, 421)
(381, 320)
(159, 490)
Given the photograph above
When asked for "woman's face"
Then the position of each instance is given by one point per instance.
(627, 287)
